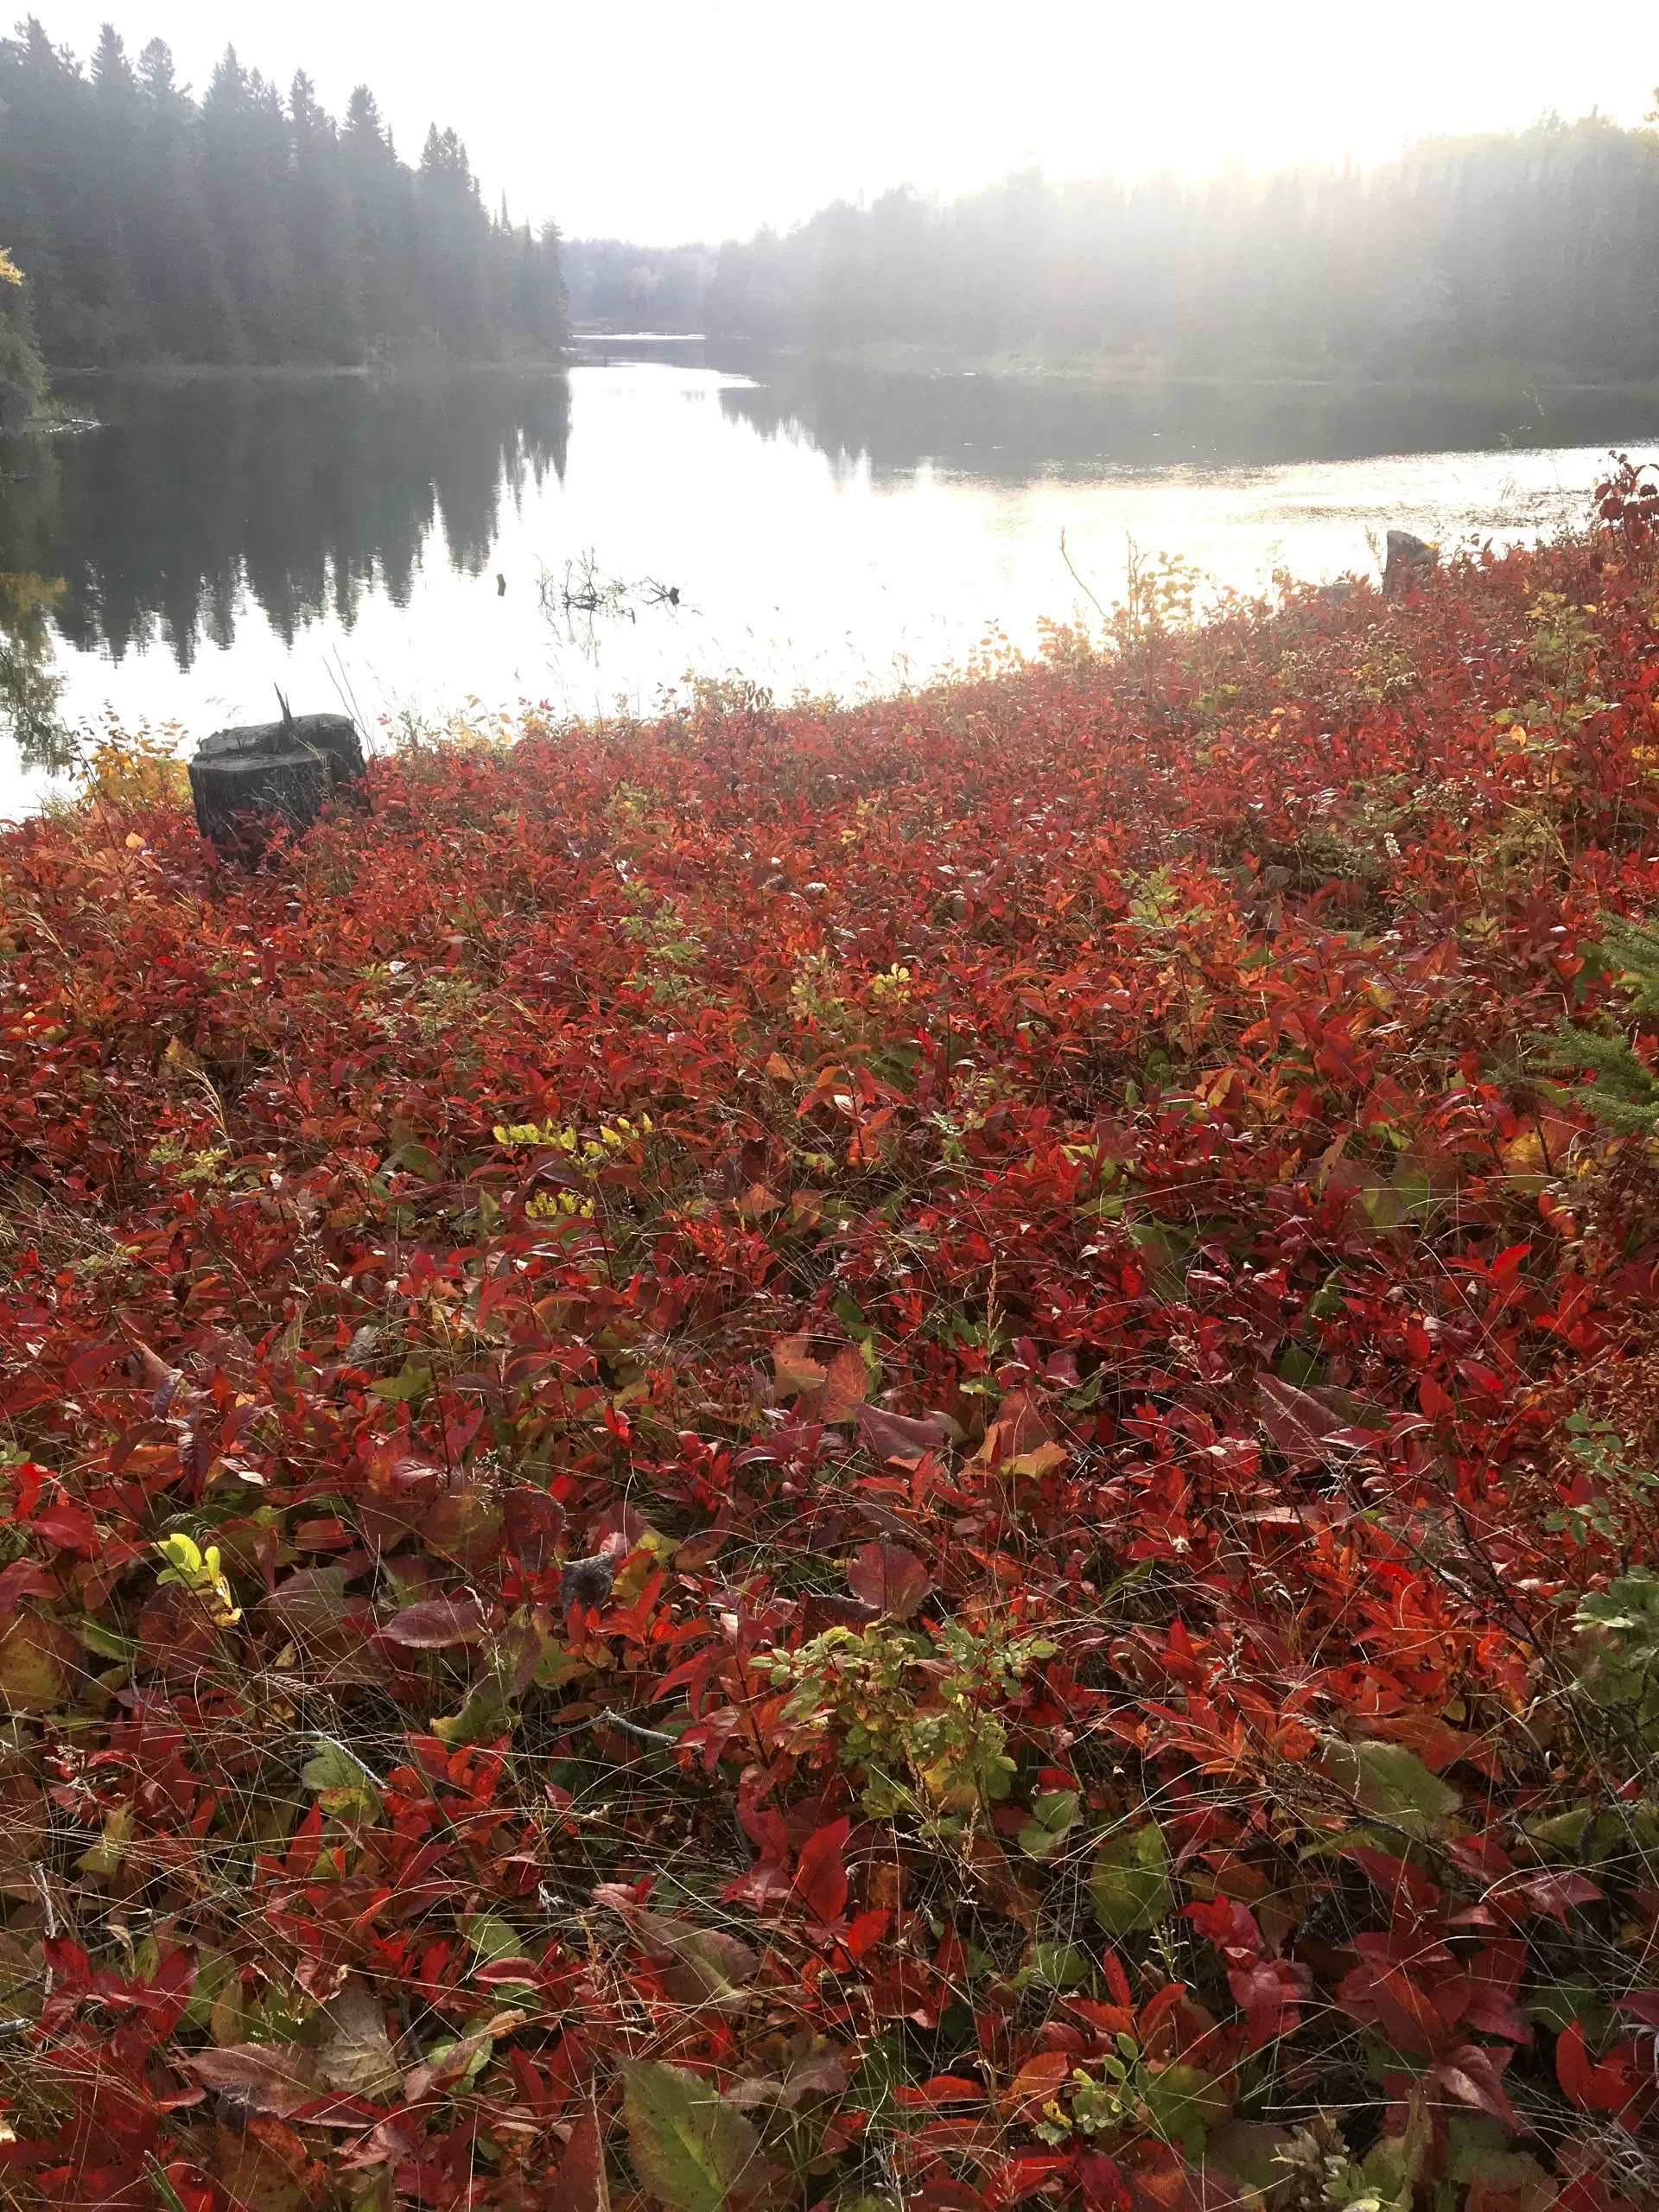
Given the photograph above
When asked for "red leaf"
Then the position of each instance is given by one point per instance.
(580, 2185)
(534, 1523)
(1018, 1431)
(867, 1930)
(890, 1578)
(69, 1527)
(942, 2090)
(1609, 2085)
(265, 2077)
(1270, 1992)
(1309, 1426)
(1037, 2079)
(821, 1874)
(1552, 1891)
(1101, 2180)
(798, 1373)
(1494, 1977)
(1471, 2073)
(435, 1623)
(896, 1436)
(24, 1577)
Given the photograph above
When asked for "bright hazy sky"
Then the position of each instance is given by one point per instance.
(662, 120)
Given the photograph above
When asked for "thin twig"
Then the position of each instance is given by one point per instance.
(1080, 584)
(628, 1728)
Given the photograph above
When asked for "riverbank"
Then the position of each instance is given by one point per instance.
(899, 1453)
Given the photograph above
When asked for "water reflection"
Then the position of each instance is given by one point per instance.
(195, 494)
(808, 525)
(30, 687)
(1015, 430)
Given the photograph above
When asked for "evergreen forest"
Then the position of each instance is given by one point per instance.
(1537, 250)
(248, 225)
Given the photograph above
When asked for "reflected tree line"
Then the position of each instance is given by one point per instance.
(1017, 429)
(192, 496)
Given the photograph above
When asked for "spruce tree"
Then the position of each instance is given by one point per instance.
(249, 226)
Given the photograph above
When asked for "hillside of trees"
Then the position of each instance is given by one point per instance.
(1540, 248)
(249, 226)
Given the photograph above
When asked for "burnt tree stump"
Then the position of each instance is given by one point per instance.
(245, 781)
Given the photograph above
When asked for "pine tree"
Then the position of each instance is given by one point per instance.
(23, 378)
(1624, 1094)
(249, 225)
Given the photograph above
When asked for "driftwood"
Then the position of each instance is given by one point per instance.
(245, 781)
(1409, 559)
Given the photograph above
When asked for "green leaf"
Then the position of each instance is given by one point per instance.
(1386, 2179)
(1129, 1886)
(1052, 1815)
(355, 2053)
(213, 1969)
(1560, 1834)
(1392, 1782)
(486, 1715)
(108, 1642)
(1557, 2004)
(410, 1382)
(492, 1938)
(340, 1782)
(1061, 1965)
(104, 1856)
(167, 2196)
(1182, 2104)
(691, 2150)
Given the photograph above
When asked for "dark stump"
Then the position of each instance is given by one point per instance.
(1409, 560)
(245, 781)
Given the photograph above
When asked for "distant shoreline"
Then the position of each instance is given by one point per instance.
(1114, 375)
(1111, 373)
(302, 371)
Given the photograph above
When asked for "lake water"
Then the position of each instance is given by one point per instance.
(595, 539)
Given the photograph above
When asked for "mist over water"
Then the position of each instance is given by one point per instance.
(406, 546)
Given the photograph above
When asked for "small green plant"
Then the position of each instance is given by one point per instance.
(1618, 1490)
(191, 1170)
(913, 1714)
(1132, 2096)
(668, 949)
(1620, 1628)
(1625, 1093)
(199, 1573)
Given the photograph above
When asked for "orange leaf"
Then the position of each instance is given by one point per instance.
(845, 1386)
(797, 1372)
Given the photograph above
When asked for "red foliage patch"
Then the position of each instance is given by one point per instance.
(1059, 1160)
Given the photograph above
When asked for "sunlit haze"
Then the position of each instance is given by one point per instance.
(661, 122)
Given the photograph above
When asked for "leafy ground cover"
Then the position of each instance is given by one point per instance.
(894, 1458)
